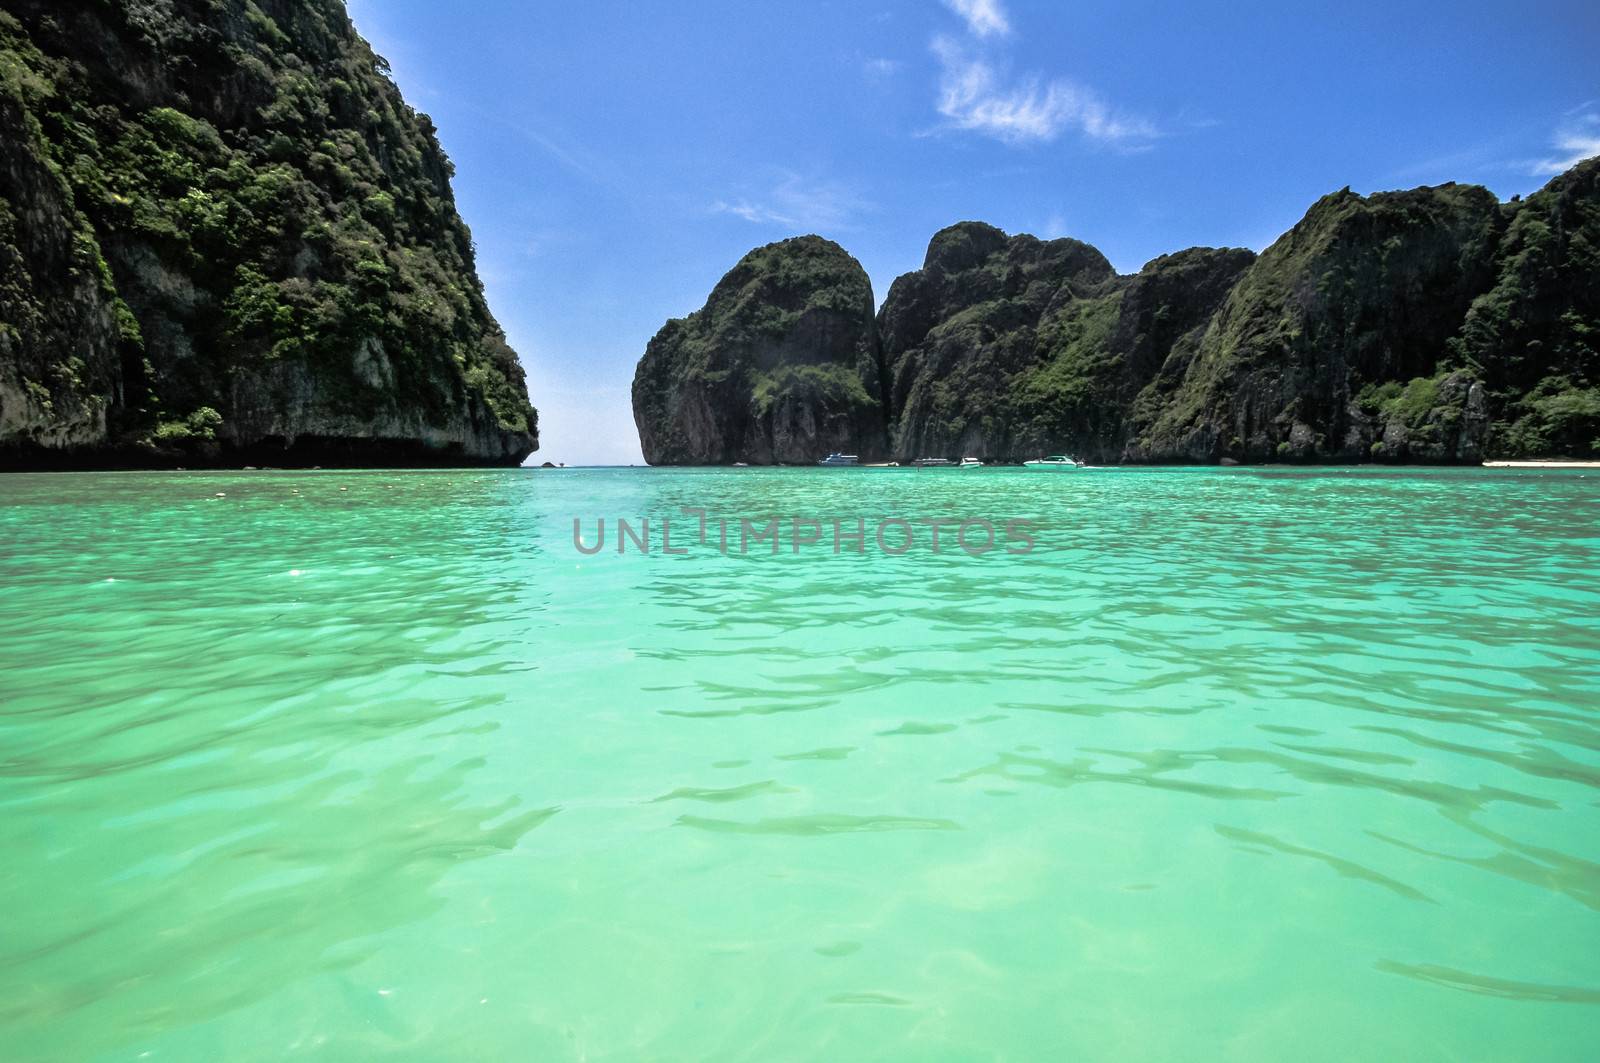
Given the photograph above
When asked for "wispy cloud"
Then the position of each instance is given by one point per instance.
(1577, 139)
(985, 18)
(878, 69)
(796, 203)
(973, 95)
(1192, 119)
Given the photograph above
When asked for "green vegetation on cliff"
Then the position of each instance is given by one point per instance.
(270, 227)
(1364, 290)
(1433, 325)
(1535, 335)
(986, 333)
(779, 365)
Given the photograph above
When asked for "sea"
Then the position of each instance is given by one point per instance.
(800, 764)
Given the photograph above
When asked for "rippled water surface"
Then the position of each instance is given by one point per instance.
(1236, 764)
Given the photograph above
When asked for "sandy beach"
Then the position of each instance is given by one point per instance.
(1541, 464)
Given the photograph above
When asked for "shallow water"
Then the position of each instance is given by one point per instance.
(1235, 764)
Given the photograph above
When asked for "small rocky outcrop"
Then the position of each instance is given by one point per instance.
(1442, 420)
(779, 367)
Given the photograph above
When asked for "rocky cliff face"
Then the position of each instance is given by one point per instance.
(1436, 325)
(1534, 337)
(225, 238)
(1361, 293)
(59, 337)
(959, 332)
(779, 367)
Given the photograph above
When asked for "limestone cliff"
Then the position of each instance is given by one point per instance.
(1534, 337)
(225, 238)
(779, 367)
(1037, 346)
(961, 331)
(1436, 325)
(1363, 293)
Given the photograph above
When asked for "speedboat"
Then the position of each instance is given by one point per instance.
(970, 463)
(840, 461)
(934, 463)
(1054, 463)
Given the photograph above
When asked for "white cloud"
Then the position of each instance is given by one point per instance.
(796, 203)
(973, 96)
(985, 18)
(1577, 139)
(880, 69)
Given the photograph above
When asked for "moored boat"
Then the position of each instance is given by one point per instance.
(840, 461)
(970, 463)
(1054, 463)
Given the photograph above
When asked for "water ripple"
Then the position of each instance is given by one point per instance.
(376, 765)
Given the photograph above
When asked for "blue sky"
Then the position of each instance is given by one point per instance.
(615, 159)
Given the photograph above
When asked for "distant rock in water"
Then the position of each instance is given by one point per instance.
(1437, 325)
(780, 366)
(225, 238)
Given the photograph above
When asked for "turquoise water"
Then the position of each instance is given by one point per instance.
(1235, 764)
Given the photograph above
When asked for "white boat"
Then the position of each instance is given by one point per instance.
(934, 463)
(840, 461)
(970, 463)
(1054, 463)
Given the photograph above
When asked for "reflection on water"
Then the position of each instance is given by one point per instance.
(1234, 763)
